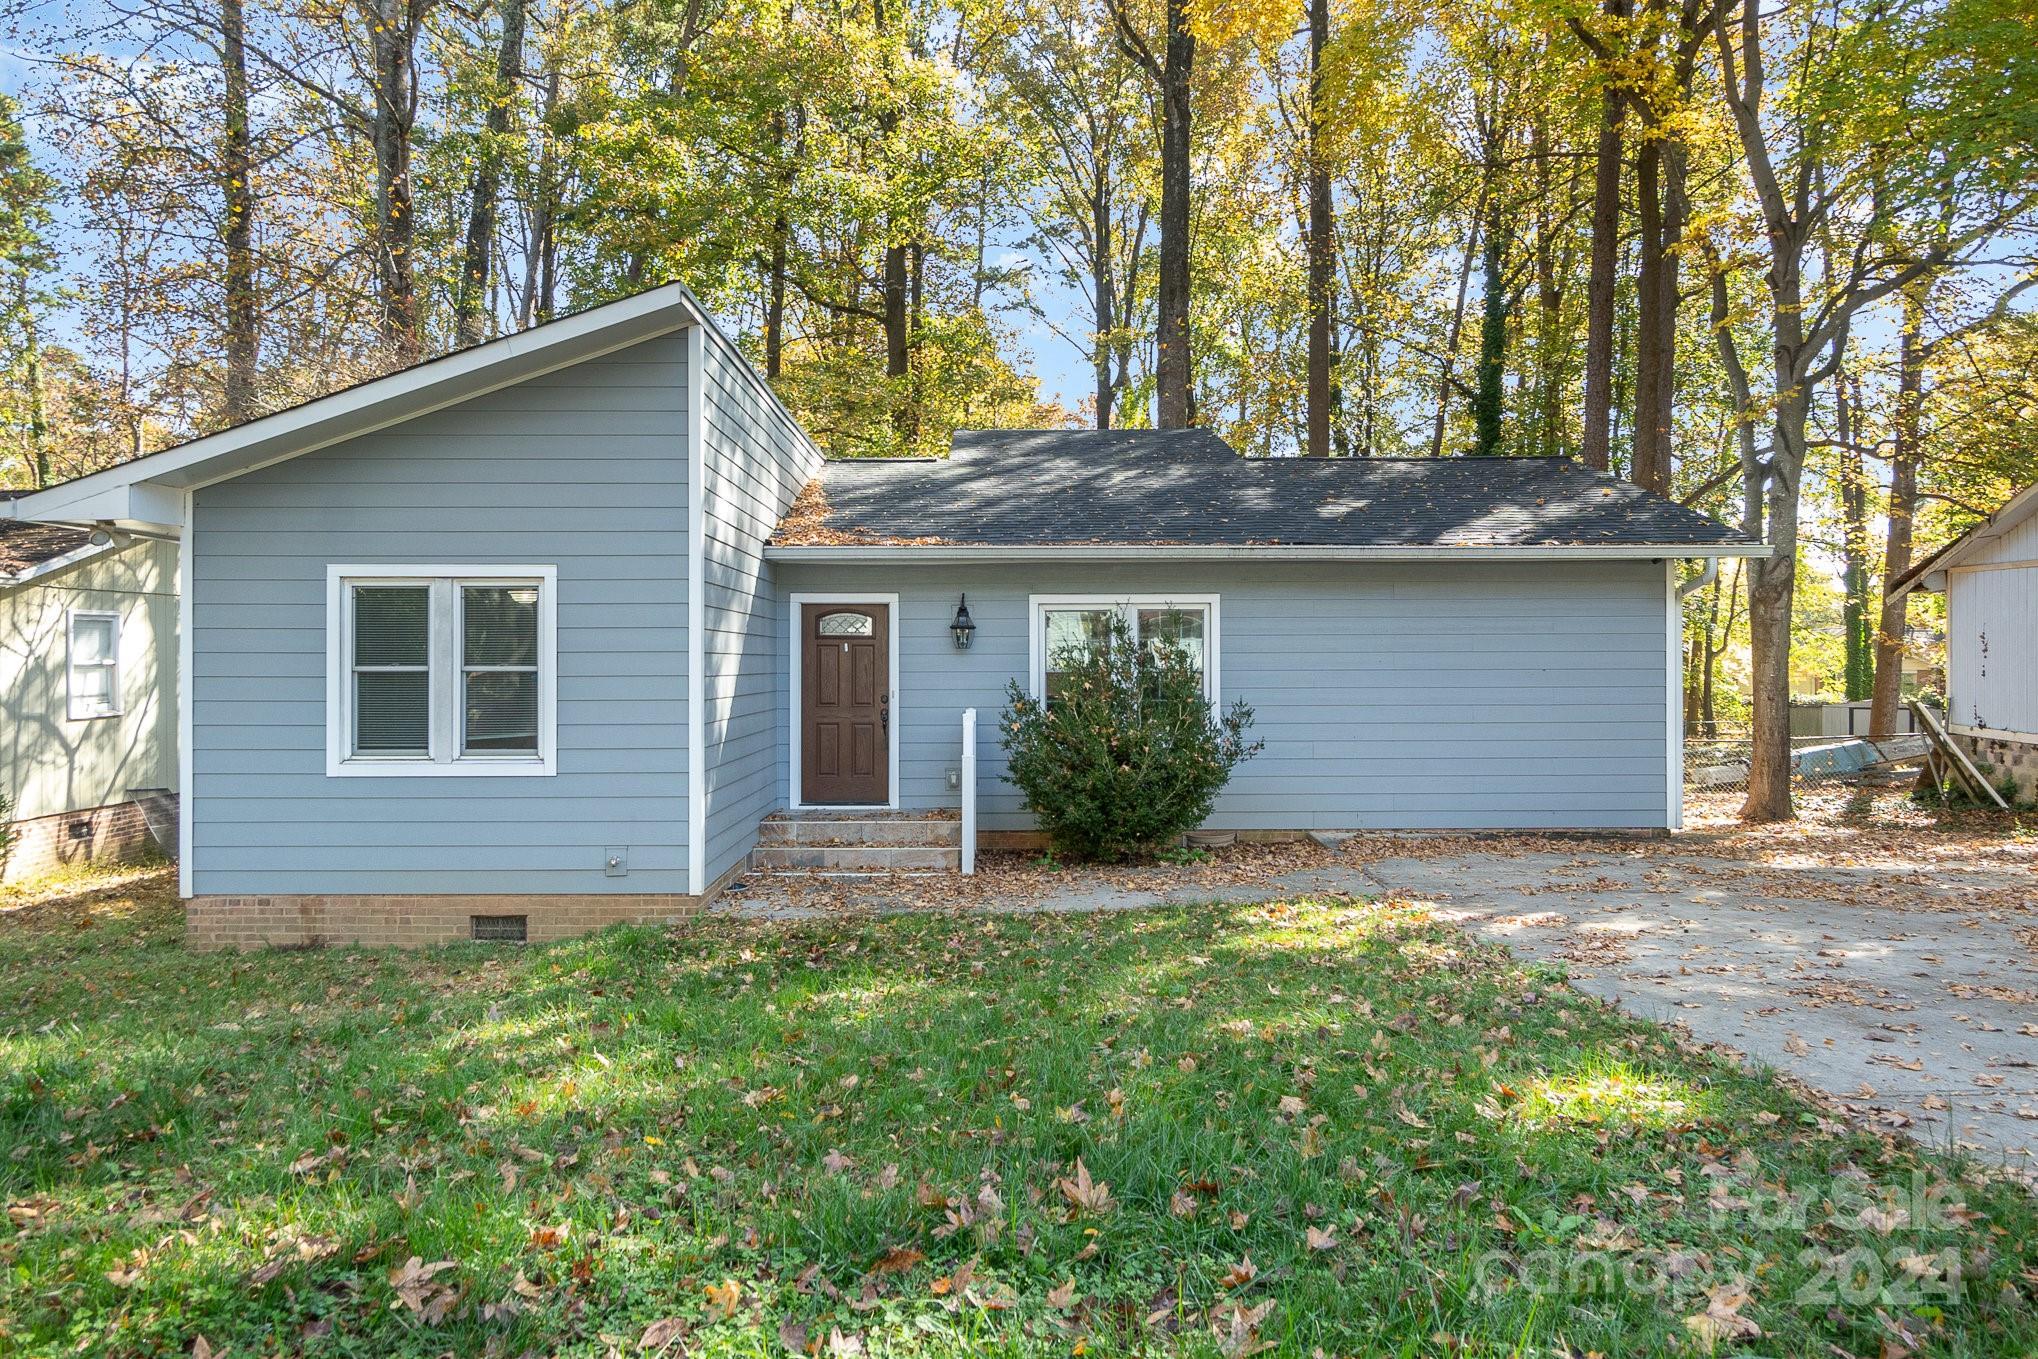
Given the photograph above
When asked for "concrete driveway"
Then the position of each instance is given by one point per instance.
(1907, 991)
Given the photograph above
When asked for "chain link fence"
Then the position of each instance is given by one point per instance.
(1718, 765)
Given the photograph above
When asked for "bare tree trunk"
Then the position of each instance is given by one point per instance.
(1174, 370)
(237, 165)
(774, 304)
(897, 355)
(1103, 287)
(1322, 259)
(1601, 275)
(1650, 330)
(1886, 696)
(1859, 671)
(469, 323)
(1448, 361)
(392, 35)
(31, 363)
(1488, 397)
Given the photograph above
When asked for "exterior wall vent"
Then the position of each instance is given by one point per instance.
(511, 929)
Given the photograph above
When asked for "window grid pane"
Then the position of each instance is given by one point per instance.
(392, 670)
(1084, 631)
(92, 641)
(501, 712)
(1182, 628)
(499, 626)
(392, 712)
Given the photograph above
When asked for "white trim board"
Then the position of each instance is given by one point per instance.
(694, 436)
(1673, 683)
(796, 659)
(445, 760)
(1036, 659)
(186, 808)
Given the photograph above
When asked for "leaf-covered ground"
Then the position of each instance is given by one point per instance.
(1315, 1126)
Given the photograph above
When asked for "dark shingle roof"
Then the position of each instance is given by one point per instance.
(1166, 487)
(24, 545)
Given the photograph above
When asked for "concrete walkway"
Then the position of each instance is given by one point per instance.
(1916, 1006)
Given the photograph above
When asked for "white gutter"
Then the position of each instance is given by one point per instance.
(1701, 580)
(948, 554)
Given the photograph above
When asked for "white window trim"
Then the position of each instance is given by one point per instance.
(1127, 605)
(113, 693)
(447, 713)
(796, 728)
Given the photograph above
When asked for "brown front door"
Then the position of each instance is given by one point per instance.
(845, 704)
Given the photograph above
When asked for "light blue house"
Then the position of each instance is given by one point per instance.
(539, 635)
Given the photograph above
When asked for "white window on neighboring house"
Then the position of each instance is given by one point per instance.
(454, 672)
(93, 664)
(1083, 622)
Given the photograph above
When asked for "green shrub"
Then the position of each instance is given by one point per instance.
(1129, 754)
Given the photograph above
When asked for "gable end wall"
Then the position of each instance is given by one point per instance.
(584, 469)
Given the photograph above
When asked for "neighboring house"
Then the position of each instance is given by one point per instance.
(88, 695)
(532, 638)
(1990, 578)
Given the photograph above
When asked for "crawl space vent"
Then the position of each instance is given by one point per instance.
(512, 929)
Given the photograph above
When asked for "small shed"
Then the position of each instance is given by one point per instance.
(1989, 576)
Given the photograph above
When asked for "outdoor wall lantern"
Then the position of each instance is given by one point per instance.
(963, 626)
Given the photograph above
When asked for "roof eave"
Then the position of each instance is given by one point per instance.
(939, 553)
(63, 561)
(148, 493)
(1929, 575)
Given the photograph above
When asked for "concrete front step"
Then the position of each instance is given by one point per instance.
(810, 858)
(805, 828)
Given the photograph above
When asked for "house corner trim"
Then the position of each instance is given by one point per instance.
(696, 607)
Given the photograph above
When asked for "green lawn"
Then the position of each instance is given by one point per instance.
(1323, 1125)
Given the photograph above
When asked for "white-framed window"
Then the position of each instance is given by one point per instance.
(441, 670)
(92, 664)
(1064, 621)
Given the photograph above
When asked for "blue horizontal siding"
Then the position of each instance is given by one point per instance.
(583, 469)
(1523, 695)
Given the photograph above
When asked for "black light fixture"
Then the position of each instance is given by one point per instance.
(963, 626)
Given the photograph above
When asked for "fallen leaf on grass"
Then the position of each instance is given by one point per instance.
(1085, 1194)
(660, 1336)
(723, 1299)
(898, 1260)
(1240, 1274)
(417, 1288)
(1722, 1319)
(1063, 1296)
(1319, 1239)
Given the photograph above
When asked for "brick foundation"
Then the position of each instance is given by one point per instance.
(2015, 754)
(117, 833)
(252, 922)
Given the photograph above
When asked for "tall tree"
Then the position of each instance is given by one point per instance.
(1834, 156)
(1601, 282)
(1172, 72)
(243, 340)
(470, 324)
(25, 217)
(1322, 243)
